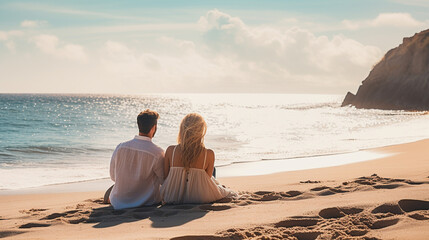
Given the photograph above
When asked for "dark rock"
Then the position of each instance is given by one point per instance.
(400, 81)
(350, 97)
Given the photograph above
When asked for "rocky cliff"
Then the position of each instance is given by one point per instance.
(400, 81)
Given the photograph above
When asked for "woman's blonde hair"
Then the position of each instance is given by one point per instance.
(191, 138)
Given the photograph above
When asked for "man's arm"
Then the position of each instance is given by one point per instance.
(159, 167)
(113, 164)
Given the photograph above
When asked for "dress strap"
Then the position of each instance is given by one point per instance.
(172, 157)
(205, 156)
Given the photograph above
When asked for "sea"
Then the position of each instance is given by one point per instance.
(62, 138)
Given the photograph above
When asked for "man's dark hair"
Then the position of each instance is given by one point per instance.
(146, 120)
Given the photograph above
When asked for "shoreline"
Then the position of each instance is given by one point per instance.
(386, 197)
(224, 171)
(235, 169)
(228, 170)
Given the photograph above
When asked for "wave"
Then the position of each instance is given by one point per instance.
(286, 158)
(311, 106)
(53, 150)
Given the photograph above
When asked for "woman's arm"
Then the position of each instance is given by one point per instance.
(167, 160)
(210, 162)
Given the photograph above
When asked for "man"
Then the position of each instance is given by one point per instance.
(137, 167)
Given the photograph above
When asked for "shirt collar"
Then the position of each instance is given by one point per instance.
(143, 138)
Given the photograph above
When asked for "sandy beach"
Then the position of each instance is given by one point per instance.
(386, 198)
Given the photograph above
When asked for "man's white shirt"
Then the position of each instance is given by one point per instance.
(137, 170)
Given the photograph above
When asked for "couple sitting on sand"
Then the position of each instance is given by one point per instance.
(143, 175)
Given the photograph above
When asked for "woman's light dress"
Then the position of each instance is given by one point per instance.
(192, 185)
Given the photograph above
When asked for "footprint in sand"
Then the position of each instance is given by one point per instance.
(291, 193)
(338, 190)
(272, 196)
(333, 212)
(307, 235)
(414, 182)
(388, 208)
(54, 216)
(34, 225)
(409, 205)
(383, 223)
(262, 193)
(419, 216)
(364, 181)
(265, 196)
(268, 197)
(297, 222)
(387, 186)
(326, 192)
(320, 188)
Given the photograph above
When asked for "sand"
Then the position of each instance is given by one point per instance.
(386, 198)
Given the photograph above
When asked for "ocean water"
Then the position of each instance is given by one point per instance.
(50, 139)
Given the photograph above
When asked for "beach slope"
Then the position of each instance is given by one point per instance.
(385, 198)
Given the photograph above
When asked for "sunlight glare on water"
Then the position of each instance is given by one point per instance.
(66, 138)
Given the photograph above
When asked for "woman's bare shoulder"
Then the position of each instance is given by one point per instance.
(210, 152)
(170, 149)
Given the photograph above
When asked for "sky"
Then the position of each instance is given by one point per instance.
(173, 46)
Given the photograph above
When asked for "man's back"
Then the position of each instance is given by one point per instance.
(137, 170)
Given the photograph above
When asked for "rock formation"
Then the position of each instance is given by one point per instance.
(400, 81)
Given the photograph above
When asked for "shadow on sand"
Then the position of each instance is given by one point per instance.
(175, 214)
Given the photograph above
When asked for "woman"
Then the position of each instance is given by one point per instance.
(188, 167)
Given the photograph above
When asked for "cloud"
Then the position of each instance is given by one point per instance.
(181, 68)
(286, 55)
(395, 20)
(7, 35)
(8, 38)
(51, 45)
(223, 54)
(134, 28)
(10, 45)
(32, 24)
(235, 57)
(119, 59)
(402, 20)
